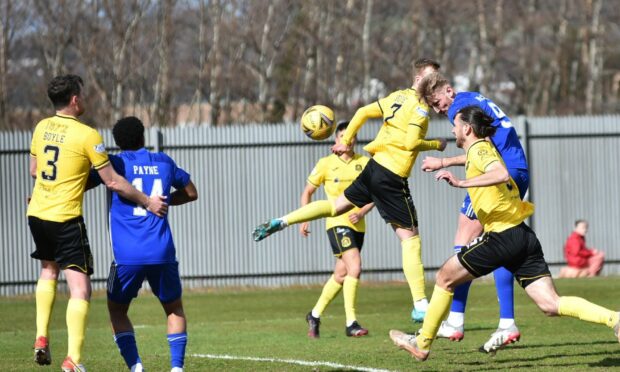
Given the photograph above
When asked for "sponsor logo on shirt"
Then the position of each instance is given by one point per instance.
(100, 148)
(422, 112)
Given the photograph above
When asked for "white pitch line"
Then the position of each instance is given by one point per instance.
(290, 361)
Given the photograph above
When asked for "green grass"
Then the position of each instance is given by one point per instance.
(270, 324)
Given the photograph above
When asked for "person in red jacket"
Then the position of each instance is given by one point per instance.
(582, 261)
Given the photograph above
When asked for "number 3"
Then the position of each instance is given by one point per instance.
(51, 163)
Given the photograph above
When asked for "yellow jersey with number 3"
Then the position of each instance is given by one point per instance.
(65, 149)
(498, 207)
(336, 175)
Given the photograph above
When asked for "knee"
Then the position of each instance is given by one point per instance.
(548, 306)
(355, 271)
(444, 281)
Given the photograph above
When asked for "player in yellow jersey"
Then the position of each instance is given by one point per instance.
(345, 232)
(507, 241)
(62, 152)
(384, 181)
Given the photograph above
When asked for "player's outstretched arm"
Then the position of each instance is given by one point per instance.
(113, 181)
(184, 195)
(371, 111)
(431, 164)
(494, 174)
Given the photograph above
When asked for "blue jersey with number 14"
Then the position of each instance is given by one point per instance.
(138, 236)
(505, 138)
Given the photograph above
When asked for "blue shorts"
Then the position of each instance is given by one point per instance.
(521, 178)
(124, 281)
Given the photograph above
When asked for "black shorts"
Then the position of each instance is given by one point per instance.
(65, 243)
(343, 238)
(389, 192)
(517, 249)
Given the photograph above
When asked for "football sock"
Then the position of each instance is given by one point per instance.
(349, 292)
(505, 292)
(126, 342)
(506, 323)
(45, 296)
(437, 309)
(577, 307)
(177, 343)
(77, 314)
(311, 211)
(456, 319)
(330, 291)
(460, 297)
(412, 266)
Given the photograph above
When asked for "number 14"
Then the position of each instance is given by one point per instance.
(157, 190)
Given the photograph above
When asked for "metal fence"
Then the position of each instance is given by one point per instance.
(247, 174)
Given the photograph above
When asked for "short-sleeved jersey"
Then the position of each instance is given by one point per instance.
(505, 138)
(498, 207)
(400, 110)
(336, 175)
(65, 149)
(139, 237)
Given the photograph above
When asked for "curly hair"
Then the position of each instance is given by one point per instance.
(128, 133)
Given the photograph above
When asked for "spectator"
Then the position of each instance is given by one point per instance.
(582, 261)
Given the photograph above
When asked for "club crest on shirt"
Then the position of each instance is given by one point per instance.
(358, 167)
(100, 148)
(345, 242)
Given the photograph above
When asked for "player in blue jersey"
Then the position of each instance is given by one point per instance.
(440, 95)
(142, 243)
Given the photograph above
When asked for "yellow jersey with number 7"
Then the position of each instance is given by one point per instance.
(65, 150)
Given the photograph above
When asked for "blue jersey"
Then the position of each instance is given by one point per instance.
(505, 138)
(138, 236)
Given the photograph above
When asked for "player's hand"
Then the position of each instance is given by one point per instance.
(157, 205)
(431, 164)
(304, 229)
(355, 217)
(448, 177)
(442, 144)
(340, 148)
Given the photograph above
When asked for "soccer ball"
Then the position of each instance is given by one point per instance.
(317, 122)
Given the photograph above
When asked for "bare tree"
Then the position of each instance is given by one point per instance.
(162, 95)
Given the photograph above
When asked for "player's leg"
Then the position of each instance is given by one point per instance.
(351, 242)
(357, 194)
(45, 294)
(75, 259)
(124, 282)
(543, 293)
(451, 274)
(413, 268)
(595, 263)
(330, 290)
(468, 229)
(309, 212)
(165, 282)
(77, 315)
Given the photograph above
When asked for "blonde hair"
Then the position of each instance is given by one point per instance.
(430, 85)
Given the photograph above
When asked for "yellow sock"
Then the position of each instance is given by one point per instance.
(330, 290)
(311, 211)
(437, 310)
(77, 314)
(412, 266)
(349, 292)
(577, 307)
(45, 296)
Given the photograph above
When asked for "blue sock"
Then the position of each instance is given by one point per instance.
(505, 293)
(177, 342)
(126, 342)
(459, 301)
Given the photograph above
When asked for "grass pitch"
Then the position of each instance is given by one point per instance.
(265, 330)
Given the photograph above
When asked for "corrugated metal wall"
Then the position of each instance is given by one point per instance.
(248, 174)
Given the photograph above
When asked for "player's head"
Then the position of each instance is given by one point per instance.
(470, 124)
(581, 227)
(342, 126)
(437, 92)
(66, 90)
(423, 67)
(129, 133)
